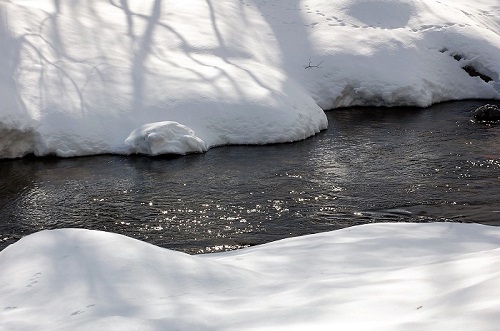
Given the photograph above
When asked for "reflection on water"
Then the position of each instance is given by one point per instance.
(371, 165)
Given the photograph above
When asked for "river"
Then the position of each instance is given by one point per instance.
(371, 165)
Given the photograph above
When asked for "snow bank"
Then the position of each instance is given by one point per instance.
(439, 276)
(401, 52)
(79, 77)
(87, 74)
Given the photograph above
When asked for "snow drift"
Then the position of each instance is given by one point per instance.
(77, 78)
(439, 276)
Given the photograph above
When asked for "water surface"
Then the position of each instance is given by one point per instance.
(371, 165)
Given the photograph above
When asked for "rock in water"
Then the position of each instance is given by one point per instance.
(487, 113)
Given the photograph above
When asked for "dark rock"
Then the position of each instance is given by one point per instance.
(487, 113)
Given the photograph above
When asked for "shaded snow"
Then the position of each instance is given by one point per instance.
(80, 77)
(439, 276)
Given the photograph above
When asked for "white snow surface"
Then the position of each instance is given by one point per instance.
(164, 138)
(78, 77)
(399, 276)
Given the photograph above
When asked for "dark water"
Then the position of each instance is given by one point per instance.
(371, 165)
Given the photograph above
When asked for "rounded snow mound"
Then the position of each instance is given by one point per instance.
(164, 138)
(386, 14)
(356, 278)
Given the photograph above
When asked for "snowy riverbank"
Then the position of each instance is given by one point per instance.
(160, 77)
(398, 276)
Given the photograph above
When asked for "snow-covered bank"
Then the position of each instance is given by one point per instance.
(77, 78)
(439, 276)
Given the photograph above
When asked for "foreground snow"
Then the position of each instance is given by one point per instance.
(440, 276)
(79, 77)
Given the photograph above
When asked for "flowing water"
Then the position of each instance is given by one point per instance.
(371, 165)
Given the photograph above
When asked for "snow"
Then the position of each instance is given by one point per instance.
(399, 276)
(154, 77)
(77, 78)
(165, 138)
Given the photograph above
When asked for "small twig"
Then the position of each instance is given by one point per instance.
(310, 65)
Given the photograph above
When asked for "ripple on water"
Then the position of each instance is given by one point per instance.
(371, 165)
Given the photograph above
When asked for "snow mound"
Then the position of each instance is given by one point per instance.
(397, 276)
(164, 138)
(385, 14)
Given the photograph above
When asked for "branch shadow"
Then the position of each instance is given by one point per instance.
(79, 78)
